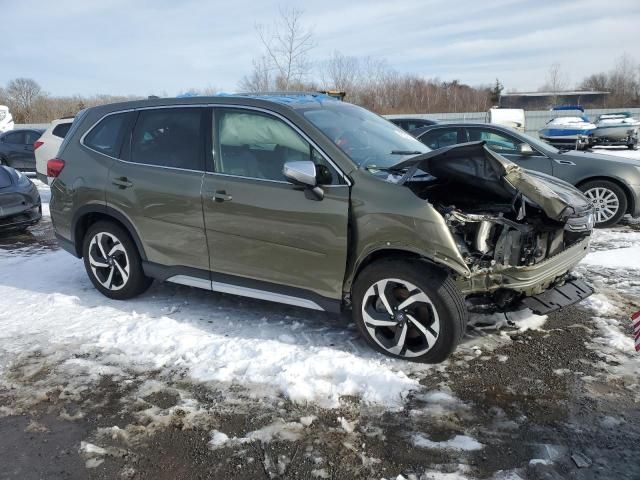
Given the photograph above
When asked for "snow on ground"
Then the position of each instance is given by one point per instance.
(458, 443)
(621, 258)
(211, 336)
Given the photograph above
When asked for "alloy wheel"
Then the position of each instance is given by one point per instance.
(605, 202)
(400, 317)
(109, 261)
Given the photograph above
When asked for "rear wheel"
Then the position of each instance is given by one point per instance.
(112, 262)
(608, 199)
(409, 310)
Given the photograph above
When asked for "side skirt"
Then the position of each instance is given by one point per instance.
(245, 287)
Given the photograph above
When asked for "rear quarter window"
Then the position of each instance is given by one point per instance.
(106, 136)
(61, 130)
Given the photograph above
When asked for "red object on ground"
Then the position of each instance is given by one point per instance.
(635, 319)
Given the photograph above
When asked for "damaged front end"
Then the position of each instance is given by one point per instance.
(519, 232)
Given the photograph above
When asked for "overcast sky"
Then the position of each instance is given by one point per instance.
(147, 47)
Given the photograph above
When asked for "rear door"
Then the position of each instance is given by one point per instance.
(507, 146)
(156, 184)
(262, 228)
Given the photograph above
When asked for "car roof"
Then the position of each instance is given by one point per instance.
(409, 117)
(421, 130)
(293, 100)
(39, 130)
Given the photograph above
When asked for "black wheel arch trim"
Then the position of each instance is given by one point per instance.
(106, 211)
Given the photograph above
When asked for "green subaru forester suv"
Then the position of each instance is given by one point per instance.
(306, 200)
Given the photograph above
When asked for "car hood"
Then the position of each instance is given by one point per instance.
(476, 165)
(600, 157)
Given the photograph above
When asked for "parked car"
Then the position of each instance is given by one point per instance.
(313, 202)
(16, 148)
(46, 147)
(411, 123)
(611, 183)
(6, 120)
(19, 201)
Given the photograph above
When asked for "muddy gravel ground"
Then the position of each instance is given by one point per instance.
(541, 404)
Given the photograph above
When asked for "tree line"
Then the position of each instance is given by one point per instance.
(286, 63)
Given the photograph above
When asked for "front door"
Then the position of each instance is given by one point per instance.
(507, 146)
(156, 184)
(263, 232)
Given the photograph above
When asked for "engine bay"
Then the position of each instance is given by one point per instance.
(493, 231)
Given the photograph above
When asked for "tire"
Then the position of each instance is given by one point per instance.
(107, 271)
(632, 146)
(603, 193)
(434, 323)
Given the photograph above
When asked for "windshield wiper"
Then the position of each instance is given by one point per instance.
(406, 152)
(384, 169)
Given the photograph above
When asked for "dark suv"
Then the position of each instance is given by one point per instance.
(308, 201)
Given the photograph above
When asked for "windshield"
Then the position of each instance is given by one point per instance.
(368, 139)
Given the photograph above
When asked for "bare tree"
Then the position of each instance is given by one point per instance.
(340, 72)
(623, 80)
(556, 79)
(287, 44)
(596, 82)
(21, 94)
(259, 80)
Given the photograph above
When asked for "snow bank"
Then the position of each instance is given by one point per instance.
(53, 302)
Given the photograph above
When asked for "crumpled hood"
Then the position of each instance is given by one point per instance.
(476, 165)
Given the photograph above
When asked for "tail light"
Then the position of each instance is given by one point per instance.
(54, 167)
(37, 145)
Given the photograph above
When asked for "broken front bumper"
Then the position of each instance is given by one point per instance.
(528, 280)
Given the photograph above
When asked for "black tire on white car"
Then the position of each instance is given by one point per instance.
(608, 199)
(409, 310)
(112, 262)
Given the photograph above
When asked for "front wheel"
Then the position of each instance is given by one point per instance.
(112, 262)
(608, 200)
(409, 310)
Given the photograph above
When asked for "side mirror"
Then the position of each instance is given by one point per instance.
(525, 149)
(303, 174)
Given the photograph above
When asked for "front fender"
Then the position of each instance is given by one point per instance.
(387, 216)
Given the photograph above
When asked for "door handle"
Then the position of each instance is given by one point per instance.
(221, 196)
(564, 162)
(122, 182)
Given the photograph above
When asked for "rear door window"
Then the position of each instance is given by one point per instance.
(169, 137)
(30, 137)
(106, 136)
(497, 142)
(61, 130)
(441, 137)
